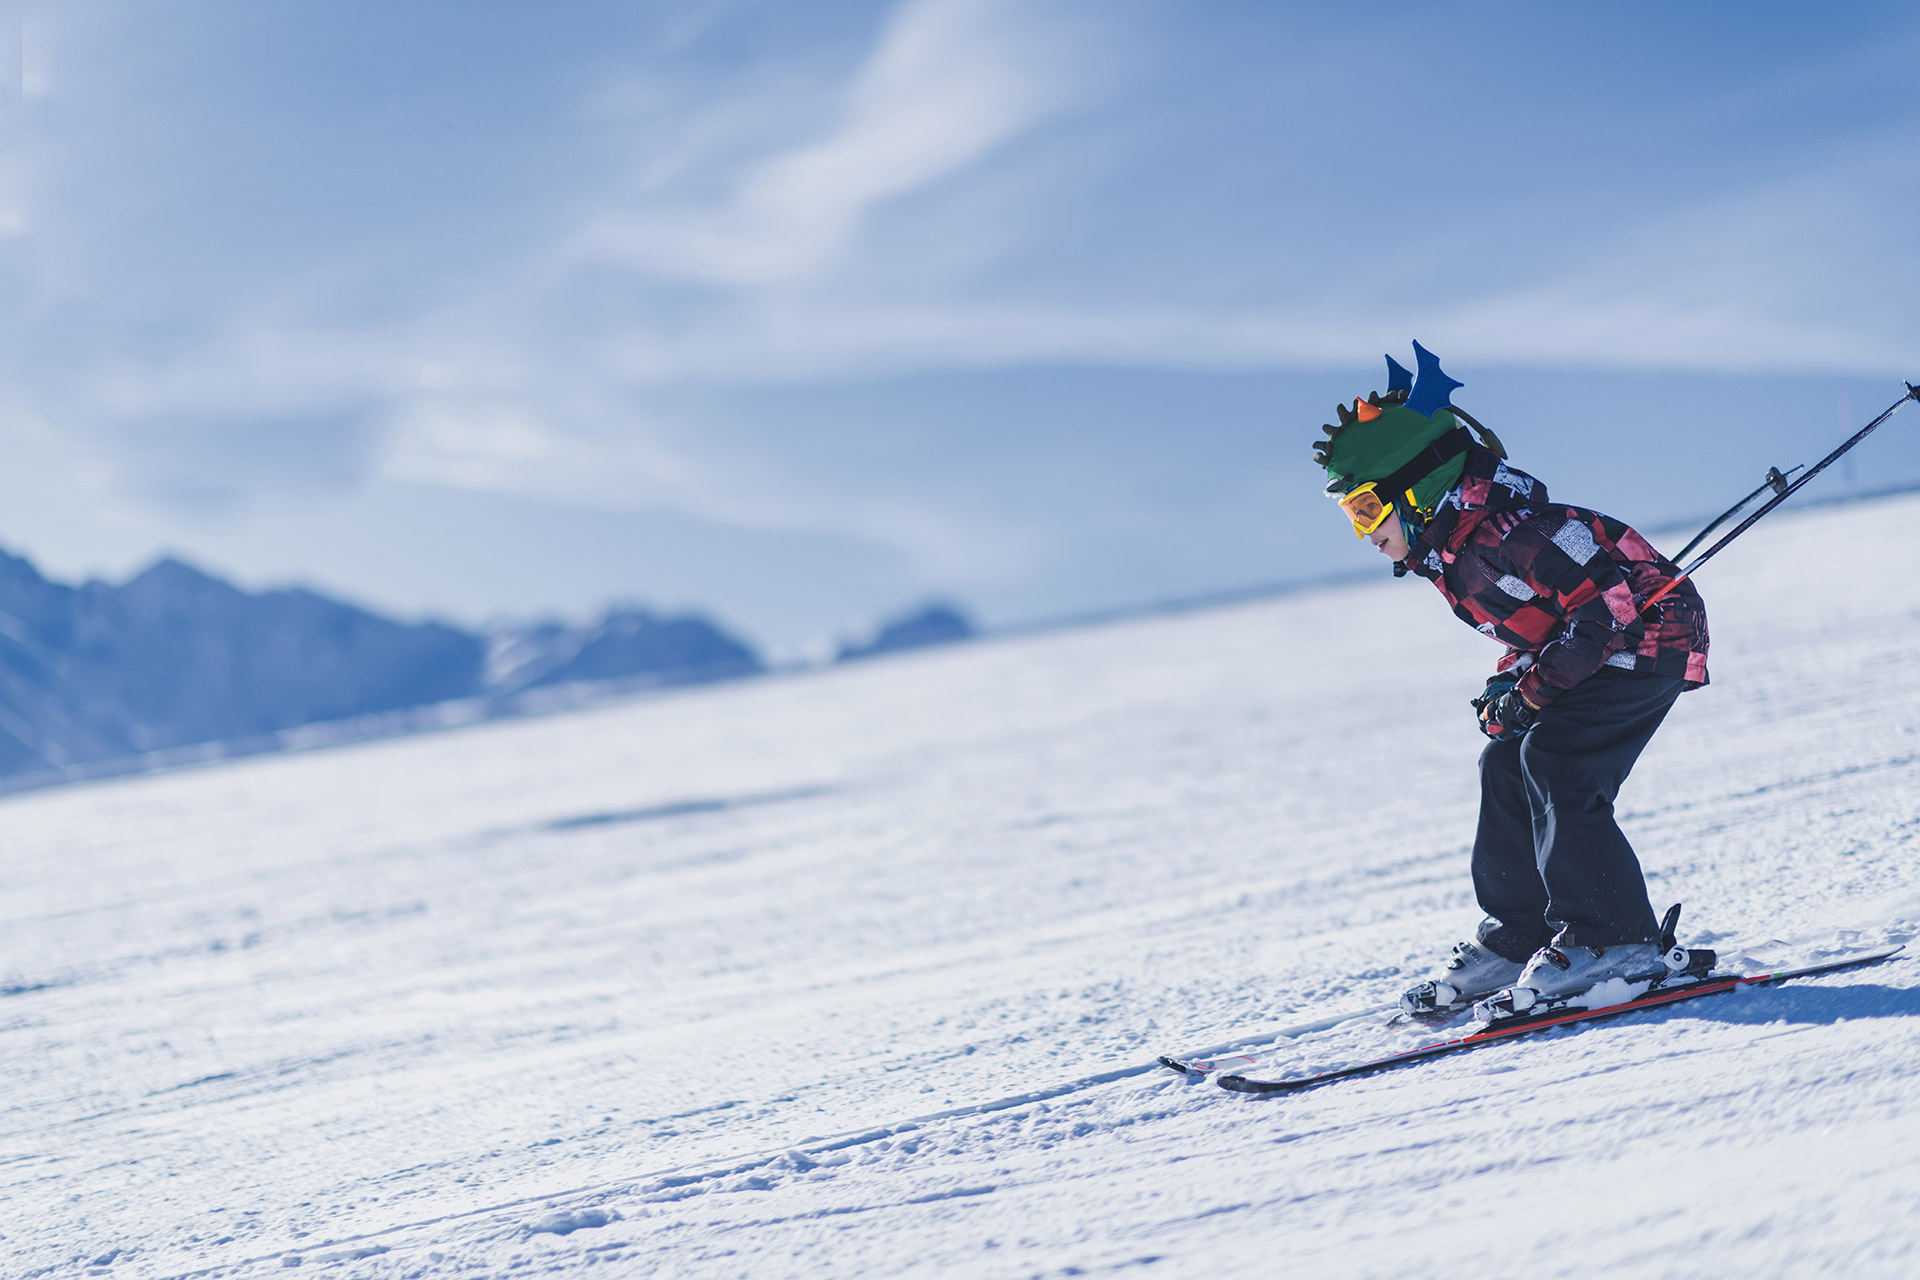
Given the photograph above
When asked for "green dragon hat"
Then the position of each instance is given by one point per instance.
(1384, 433)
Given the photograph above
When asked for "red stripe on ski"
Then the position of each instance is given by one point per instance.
(1525, 1025)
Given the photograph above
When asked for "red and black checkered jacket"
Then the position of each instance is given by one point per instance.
(1562, 587)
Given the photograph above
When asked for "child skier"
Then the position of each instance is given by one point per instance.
(1589, 674)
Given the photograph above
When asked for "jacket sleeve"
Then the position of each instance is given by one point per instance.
(1558, 556)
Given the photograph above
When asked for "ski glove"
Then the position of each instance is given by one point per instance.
(1497, 683)
(1507, 716)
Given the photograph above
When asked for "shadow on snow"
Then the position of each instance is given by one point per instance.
(1811, 1005)
(680, 809)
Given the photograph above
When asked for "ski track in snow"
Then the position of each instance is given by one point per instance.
(861, 972)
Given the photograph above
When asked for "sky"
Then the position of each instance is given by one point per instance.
(799, 314)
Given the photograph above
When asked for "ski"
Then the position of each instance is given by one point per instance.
(1524, 1024)
(1238, 1055)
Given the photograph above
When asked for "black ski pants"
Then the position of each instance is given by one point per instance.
(1549, 862)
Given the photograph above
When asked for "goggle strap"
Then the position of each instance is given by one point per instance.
(1430, 459)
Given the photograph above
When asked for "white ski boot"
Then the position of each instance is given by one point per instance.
(1593, 977)
(1471, 971)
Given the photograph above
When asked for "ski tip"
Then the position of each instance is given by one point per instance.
(1197, 1067)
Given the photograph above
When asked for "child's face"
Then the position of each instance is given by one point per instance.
(1390, 538)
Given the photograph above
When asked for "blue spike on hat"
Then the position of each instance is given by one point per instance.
(1434, 390)
(1398, 378)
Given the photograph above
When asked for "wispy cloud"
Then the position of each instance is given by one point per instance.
(1803, 271)
(949, 83)
(500, 380)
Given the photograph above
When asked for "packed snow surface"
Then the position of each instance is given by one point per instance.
(862, 972)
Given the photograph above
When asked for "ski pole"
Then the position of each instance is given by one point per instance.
(1775, 481)
(1913, 393)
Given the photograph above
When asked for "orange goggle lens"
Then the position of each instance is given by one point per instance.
(1366, 509)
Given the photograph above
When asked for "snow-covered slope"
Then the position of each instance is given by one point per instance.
(857, 973)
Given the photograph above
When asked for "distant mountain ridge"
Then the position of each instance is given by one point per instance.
(623, 644)
(175, 657)
(932, 624)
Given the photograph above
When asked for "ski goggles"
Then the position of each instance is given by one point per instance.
(1366, 508)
